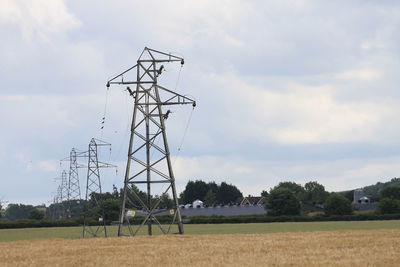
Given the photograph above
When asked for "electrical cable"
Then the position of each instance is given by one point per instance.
(128, 124)
(183, 137)
(104, 114)
(179, 76)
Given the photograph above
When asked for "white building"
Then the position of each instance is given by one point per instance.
(363, 200)
(198, 203)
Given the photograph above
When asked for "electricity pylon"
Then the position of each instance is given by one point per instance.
(63, 193)
(147, 130)
(74, 190)
(61, 197)
(56, 208)
(95, 208)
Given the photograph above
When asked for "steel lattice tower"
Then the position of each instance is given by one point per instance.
(61, 197)
(57, 209)
(93, 187)
(63, 193)
(149, 161)
(74, 190)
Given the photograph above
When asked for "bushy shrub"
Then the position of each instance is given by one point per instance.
(388, 206)
(282, 201)
(392, 192)
(36, 214)
(337, 205)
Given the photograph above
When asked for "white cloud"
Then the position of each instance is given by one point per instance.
(186, 22)
(367, 74)
(24, 159)
(299, 114)
(48, 165)
(34, 115)
(38, 18)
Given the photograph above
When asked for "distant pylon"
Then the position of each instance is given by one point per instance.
(74, 190)
(63, 194)
(94, 210)
(149, 162)
(56, 210)
(64, 186)
(61, 198)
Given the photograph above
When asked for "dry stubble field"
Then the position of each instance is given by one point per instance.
(349, 248)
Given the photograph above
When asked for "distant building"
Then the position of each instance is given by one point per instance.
(358, 194)
(223, 210)
(242, 201)
(366, 206)
(197, 203)
(362, 202)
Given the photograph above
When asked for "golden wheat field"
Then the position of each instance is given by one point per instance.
(334, 248)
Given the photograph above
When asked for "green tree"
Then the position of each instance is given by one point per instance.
(282, 201)
(36, 214)
(373, 189)
(77, 206)
(210, 198)
(213, 187)
(388, 206)
(392, 192)
(194, 190)
(166, 201)
(182, 198)
(108, 204)
(296, 189)
(227, 193)
(337, 205)
(18, 211)
(115, 192)
(223, 193)
(111, 209)
(349, 195)
(315, 193)
(264, 193)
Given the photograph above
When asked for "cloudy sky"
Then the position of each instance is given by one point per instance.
(286, 90)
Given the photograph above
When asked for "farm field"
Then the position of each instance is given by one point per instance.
(327, 248)
(202, 229)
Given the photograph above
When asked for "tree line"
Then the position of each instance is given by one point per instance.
(110, 202)
(210, 193)
(287, 198)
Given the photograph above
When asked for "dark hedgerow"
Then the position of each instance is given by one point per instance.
(214, 219)
(219, 219)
